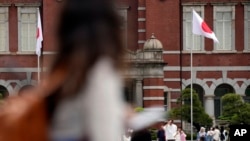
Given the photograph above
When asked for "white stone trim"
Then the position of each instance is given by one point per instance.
(153, 87)
(171, 79)
(206, 52)
(141, 8)
(19, 85)
(49, 52)
(35, 4)
(171, 52)
(153, 77)
(141, 30)
(141, 19)
(141, 41)
(27, 53)
(216, 82)
(225, 51)
(153, 98)
(6, 53)
(172, 68)
(214, 68)
(173, 100)
(19, 69)
(171, 90)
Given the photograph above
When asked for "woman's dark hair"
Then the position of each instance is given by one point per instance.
(88, 30)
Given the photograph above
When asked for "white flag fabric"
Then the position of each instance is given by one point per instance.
(39, 34)
(201, 28)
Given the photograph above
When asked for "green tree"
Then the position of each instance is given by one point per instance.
(200, 117)
(139, 109)
(234, 109)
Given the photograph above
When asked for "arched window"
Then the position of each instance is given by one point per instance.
(200, 91)
(220, 91)
(24, 88)
(247, 93)
(3, 92)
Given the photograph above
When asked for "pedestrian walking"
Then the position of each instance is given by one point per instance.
(201, 133)
(210, 134)
(170, 130)
(180, 135)
(161, 133)
(217, 133)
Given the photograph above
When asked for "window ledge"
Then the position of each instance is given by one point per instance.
(5, 52)
(26, 53)
(224, 51)
(17, 53)
(246, 51)
(193, 3)
(194, 51)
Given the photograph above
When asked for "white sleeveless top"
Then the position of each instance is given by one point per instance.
(97, 111)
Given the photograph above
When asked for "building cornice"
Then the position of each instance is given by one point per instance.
(5, 4)
(28, 4)
(194, 3)
(224, 3)
(246, 3)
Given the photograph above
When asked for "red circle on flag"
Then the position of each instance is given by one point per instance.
(205, 27)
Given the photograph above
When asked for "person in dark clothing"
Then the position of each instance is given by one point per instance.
(143, 135)
(202, 138)
(161, 134)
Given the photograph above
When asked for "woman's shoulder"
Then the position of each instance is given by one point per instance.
(103, 67)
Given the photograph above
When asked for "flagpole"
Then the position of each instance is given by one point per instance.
(191, 95)
(38, 69)
(197, 29)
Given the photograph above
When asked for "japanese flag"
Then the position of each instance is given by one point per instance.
(39, 34)
(201, 28)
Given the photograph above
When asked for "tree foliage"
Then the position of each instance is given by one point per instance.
(200, 117)
(138, 109)
(234, 109)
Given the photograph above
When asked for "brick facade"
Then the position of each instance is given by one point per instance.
(163, 18)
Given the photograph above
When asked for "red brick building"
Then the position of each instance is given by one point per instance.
(158, 37)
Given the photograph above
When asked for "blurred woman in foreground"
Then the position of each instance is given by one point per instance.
(84, 83)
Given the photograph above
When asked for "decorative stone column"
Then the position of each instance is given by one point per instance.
(209, 105)
(138, 92)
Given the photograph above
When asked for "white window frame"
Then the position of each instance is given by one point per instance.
(246, 27)
(5, 22)
(123, 12)
(24, 9)
(225, 8)
(188, 9)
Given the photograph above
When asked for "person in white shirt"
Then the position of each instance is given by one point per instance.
(170, 130)
(217, 133)
(210, 134)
